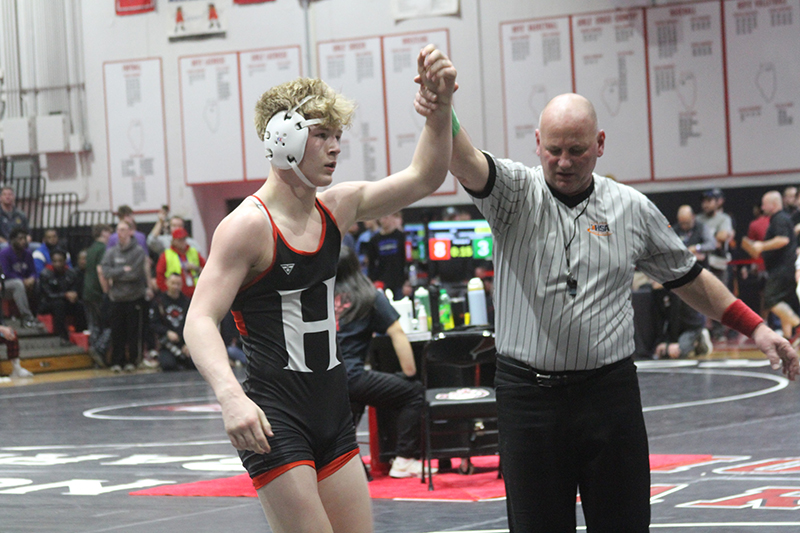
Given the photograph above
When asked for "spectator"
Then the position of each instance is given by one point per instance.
(386, 253)
(94, 295)
(362, 242)
(126, 213)
(60, 286)
(160, 237)
(10, 216)
(80, 268)
(182, 259)
(159, 229)
(125, 267)
(721, 226)
(757, 229)
(789, 200)
(751, 276)
(681, 332)
(695, 235)
(349, 238)
(361, 312)
(167, 317)
(779, 251)
(50, 243)
(796, 215)
(9, 337)
(17, 265)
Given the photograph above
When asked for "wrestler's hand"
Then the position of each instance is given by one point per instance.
(781, 354)
(246, 424)
(435, 71)
(437, 79)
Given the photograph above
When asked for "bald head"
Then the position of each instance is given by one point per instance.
(569, 107)
(771, 203)
(568, 143)
(685, 217)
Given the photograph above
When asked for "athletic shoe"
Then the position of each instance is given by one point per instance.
(403, 467)
(704, 344)
(130, 368)
(148, 362)
(116, 369)
(19, 372)
(32, 323)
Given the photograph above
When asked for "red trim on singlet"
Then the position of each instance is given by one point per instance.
(274, 250)
(335, 465)
(261, 480)
(325, 207)
(240, 325)
(328, 470)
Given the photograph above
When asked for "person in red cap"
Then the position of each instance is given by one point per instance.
(180, 258)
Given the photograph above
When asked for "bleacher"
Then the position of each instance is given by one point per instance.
(40, 351)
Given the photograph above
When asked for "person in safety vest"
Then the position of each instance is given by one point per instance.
(181, 259)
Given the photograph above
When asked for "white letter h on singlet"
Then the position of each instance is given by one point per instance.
(294, 327)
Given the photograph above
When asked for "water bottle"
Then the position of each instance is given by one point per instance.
(433, 317)
(406, 311)
(476, 297)
(412, 275)
(422, 299)
(445, 311)
(422, 320)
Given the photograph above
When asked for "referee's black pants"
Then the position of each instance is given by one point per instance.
(588, 436)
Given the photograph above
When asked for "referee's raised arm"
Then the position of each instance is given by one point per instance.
(467, 163)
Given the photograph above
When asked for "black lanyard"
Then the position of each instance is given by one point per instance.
(572, 283)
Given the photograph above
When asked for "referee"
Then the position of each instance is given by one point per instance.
(567, 242)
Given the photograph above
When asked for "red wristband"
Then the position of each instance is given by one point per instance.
(741, 318)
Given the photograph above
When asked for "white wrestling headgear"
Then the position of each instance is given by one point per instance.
(285, 139)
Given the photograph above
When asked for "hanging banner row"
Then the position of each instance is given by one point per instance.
(695, 90)
(218, 95)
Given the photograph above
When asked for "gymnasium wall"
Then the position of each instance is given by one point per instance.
(672, 99)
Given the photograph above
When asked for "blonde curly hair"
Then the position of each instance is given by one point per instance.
(334, 109)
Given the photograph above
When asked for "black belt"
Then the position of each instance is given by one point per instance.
(553, 379)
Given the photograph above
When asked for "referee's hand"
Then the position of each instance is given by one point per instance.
(781, 354)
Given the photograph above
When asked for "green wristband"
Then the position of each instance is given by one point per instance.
(456, 125)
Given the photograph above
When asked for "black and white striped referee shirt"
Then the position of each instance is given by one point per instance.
(613, 229)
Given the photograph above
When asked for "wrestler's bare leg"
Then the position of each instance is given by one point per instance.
(345, 496)
(295, 503)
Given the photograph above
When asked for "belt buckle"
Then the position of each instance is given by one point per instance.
(548, 381)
